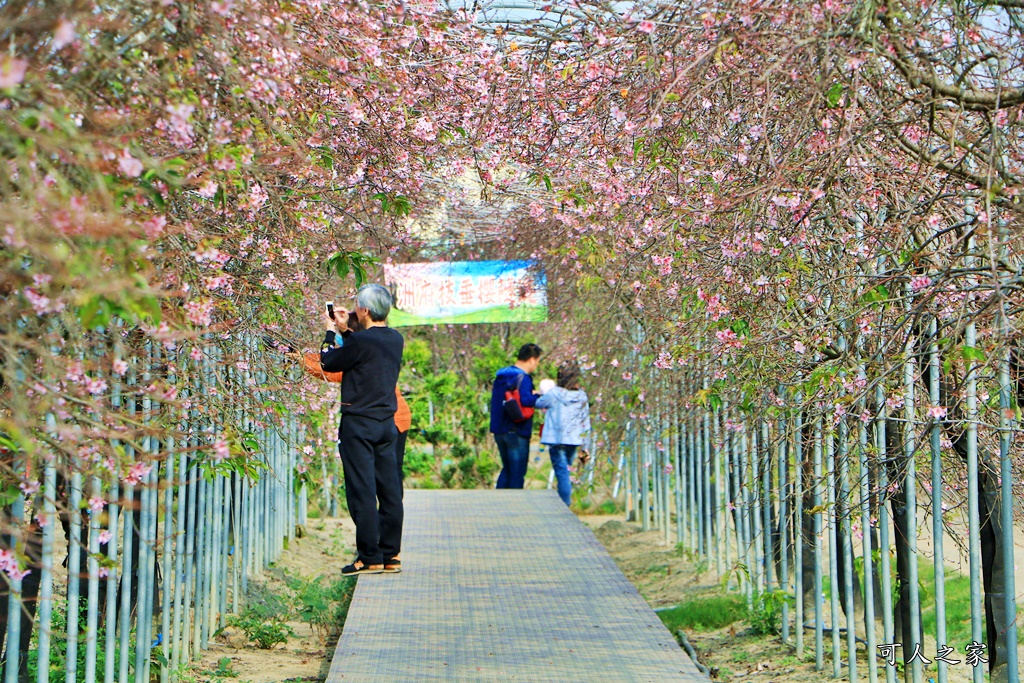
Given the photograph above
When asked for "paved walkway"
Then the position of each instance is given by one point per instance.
(502, 586)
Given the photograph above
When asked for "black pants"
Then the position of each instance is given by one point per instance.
(400, 454)
(367, 448)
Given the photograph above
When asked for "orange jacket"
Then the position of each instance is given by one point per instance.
(403, 416)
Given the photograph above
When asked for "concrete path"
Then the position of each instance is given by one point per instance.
(503, 586)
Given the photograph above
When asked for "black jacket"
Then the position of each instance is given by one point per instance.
(370, 360)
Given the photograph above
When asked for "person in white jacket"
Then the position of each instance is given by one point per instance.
(566, 425)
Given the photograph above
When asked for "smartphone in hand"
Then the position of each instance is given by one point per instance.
(330, 309)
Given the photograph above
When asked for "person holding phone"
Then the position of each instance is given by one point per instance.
(369, 360)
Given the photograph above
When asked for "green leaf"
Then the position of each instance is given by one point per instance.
(10, 494)
(876, 295)
(89, 312)
(835, 93)
(972, 354)
(250, 442)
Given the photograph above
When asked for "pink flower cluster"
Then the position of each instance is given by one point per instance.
(137, 473)
(9, 565)
(199, 312)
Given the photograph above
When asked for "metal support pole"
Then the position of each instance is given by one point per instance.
(74, 565)
(883, 527)
(798, 522)
(784, 528)
(92, 610)
(937, 513)
(833, 555)
(910, 439)
(706, 474)
(766, 504)
(819, 616)
(14, 601)
(46, 576)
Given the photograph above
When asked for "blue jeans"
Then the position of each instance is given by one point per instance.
(561, 461)
(515, 455)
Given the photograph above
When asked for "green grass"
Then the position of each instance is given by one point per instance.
(524, 314)
(958, 601)
(958, 605)
(705, 614)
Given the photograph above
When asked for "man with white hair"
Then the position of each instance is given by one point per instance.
(370, 360)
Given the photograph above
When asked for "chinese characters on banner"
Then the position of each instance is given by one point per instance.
(974, 654)
(465, 292)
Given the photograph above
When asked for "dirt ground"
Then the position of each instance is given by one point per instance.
(662, 576)
(733, 654)
(326, 547)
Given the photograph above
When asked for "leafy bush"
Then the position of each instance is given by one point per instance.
(323, 607)
(264, 604)
(766, 616)
(417, 463)
(223, 670)
(59, 646)
(264, 633)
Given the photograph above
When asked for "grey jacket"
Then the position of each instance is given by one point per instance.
(567, 421)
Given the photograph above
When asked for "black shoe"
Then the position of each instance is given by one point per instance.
(357, 568)
(392, 566)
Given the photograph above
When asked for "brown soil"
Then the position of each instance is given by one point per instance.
(662, 576)
(733, 654)
(325, 547)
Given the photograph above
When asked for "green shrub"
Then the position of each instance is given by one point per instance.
(264, 633)
(766, 616)
(323, 607)
(417, 463)
(59, 646)
(264, 604)
(223, 669)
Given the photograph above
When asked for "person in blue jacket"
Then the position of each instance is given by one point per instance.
(513, 438)
(566, 424)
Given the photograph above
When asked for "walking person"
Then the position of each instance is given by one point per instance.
(513, 438)
(566, 425)
(370, 360)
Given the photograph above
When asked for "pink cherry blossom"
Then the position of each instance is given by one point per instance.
(64, 34)
(12, 71)
(129, 165)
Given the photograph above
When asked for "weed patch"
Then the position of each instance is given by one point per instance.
(264, 633)
(705, 614)
(323, 606)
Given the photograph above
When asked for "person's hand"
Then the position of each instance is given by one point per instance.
(584, 456)
(341, 319)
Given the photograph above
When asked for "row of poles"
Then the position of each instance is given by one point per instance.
(774, 502)
(158, 557)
